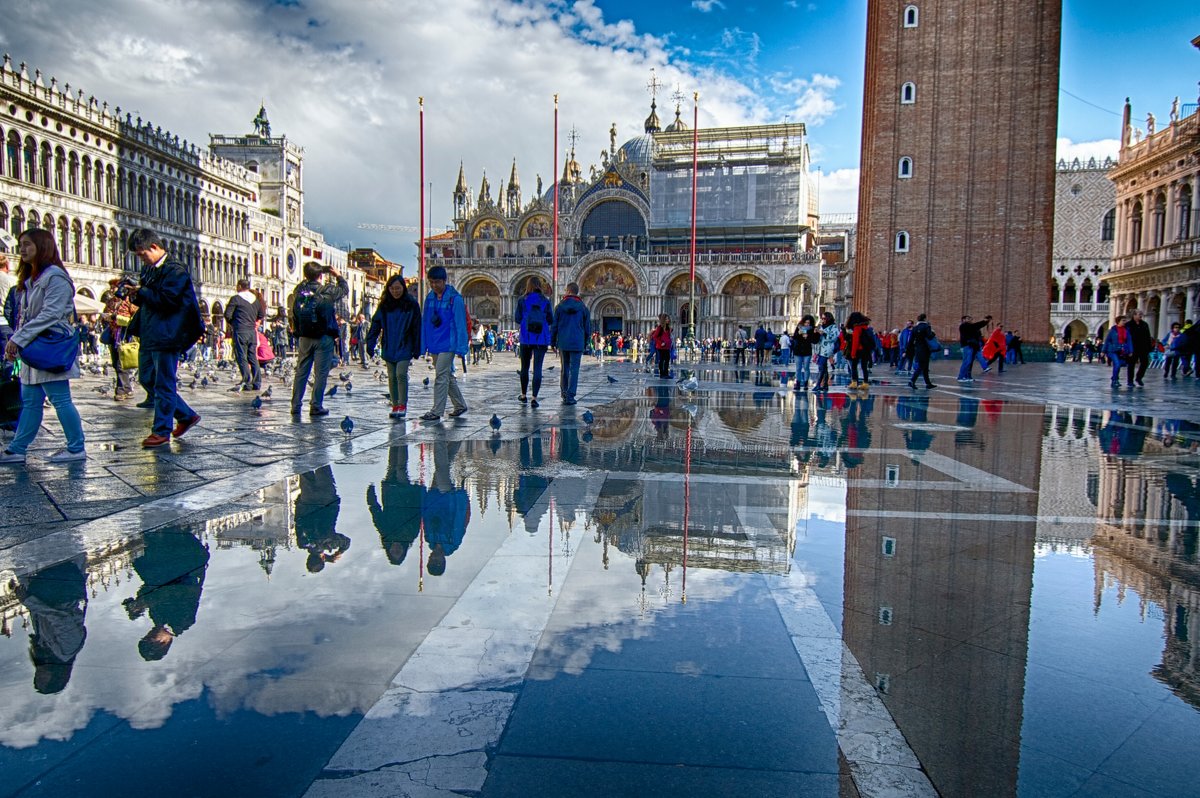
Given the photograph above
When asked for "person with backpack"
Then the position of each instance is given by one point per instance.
(314, 322)
(533, 314)
(398, 321)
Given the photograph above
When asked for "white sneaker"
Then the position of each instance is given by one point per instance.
(11, 458)
(67, 456)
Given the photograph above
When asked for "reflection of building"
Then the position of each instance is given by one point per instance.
(960, 113)
(1156, 264)
(624, 232)
(1069, 479)
(1084, 225)
(1147, 541)
(938, 580)
(91, 174)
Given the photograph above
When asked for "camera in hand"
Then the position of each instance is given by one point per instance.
(126, 287)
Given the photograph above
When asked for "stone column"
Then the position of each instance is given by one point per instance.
(1164, 312)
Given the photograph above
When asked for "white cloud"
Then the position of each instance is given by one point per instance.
(342, 81)
(838, 191)
(1104, 148)
(705, 6)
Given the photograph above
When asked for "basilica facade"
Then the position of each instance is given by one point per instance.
(624, 233)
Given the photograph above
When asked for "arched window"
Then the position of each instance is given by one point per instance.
(163, 206)
(1160, 221)
(1135, 228)
(35, 221)
(31, 160)
(1108, 225)
(1069, 297)
(141, 195)
(86, 184)
(905, 167)
(73, 173)
(1186, 228)
(3, 216)
(64, 235)
(89, 235)
(18, 221)
(110, 185)
(908, 93)
(902, 241)
(1102, 294)
(911, 16)
(491, 251)
(1055, 296)
(12, 147)
(151, 193)
(1088, 292)
(102, 241)
(60, 160)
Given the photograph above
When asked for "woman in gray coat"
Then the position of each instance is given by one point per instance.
(46, 298)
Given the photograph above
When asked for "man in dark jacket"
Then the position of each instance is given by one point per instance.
(970, 337)
(313, 317)
(167, 323)
(572, 324)
(1143, 345)
(243, 312)
(172, 567)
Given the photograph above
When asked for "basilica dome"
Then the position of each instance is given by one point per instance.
(638, 151)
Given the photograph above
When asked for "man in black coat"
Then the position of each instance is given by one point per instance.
(243, 312)
(167, 324)
(1143, 345)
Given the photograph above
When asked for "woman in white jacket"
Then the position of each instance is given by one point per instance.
(46, 299)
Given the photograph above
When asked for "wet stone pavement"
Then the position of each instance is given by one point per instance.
(710, 588)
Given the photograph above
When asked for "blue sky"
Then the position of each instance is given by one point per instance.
(341, 79)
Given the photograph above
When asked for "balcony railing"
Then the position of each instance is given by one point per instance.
(1169, 253)
(702, 259)
(1079, 307)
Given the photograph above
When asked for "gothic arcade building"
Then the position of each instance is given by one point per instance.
(624, 233)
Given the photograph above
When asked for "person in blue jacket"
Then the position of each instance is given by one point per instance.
(572, 324)
(444, 335)
(397, 321)
(1118, 345)
(534, 315)
(445, 510)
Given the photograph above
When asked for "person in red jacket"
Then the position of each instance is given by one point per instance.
(662, 341)
(996, 347)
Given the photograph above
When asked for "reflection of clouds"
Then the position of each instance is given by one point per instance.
(827, 501)
(604, 618)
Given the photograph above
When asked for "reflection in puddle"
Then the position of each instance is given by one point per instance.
(982, 560)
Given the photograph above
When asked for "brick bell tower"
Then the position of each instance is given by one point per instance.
(956, 200)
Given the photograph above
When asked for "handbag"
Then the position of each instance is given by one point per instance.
(128, 353)
(934, 344)
(54, 350)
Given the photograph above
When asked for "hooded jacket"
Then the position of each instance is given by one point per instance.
(571, 324)
(400, 328)
(444, 324)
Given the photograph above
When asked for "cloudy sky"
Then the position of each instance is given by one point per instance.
(342, 80)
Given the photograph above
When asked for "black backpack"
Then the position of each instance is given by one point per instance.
(308, 314)
(536, 324)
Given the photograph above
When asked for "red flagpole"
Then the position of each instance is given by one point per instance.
(421, 256)
(695, 164)
(554, 264)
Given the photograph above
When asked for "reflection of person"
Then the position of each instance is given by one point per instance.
(445, 511)
(530, 485)
(916, 410)
(856, 432)
(168, 323)
(56, 598)
(172, 568)
(396, 510)
(660, 414)
(317, 509)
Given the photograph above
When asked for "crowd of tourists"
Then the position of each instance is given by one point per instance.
(152, 324)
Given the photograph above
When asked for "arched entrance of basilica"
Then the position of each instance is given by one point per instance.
(614, 287)
(482, 297)
(609, 316)
(744, 297)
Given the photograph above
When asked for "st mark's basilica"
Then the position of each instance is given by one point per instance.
(625, 232)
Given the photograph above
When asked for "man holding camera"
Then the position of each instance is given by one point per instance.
(167, 323)
(313, 320)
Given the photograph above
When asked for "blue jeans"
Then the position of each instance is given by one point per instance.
(32, 399)
(312, 352)
(969, 355)
(568, 379)
(802, 363)
(168, 404)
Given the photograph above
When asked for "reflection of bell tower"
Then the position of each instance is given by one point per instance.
(462, 197)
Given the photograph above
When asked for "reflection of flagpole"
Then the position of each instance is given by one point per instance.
(554, 177)
(421, 255)
(687, 504)
(550, 552)
(695, 163)
(421, 560)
